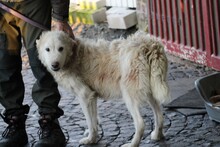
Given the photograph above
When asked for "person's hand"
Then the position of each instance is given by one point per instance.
(62, 26)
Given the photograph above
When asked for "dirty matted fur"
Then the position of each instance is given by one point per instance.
(133, 69)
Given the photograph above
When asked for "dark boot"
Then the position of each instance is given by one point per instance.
(15, 134)
(50, 133)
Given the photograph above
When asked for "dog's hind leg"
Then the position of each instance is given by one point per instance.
(157, 133)
(89, 107)
(133, 107)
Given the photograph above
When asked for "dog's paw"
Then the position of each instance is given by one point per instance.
(87, 140)
(155, 135)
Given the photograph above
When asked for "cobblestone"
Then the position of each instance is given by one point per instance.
(116, 125)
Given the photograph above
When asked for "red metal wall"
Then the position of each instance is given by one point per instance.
(189, 28)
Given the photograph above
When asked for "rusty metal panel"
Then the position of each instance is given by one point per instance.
(189, 28)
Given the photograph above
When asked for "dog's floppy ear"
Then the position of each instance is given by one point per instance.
(74, 43)
(37, 43)
(39, 40)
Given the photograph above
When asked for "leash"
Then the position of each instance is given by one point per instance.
(21, 16)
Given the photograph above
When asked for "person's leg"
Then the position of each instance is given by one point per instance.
(11, 83)
(45, 91)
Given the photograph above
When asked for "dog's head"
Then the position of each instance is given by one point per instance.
(54, 49)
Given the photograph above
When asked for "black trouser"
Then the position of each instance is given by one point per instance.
(12, 29)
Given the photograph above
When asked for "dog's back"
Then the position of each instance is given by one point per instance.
(138, 61)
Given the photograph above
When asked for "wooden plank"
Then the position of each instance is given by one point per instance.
(160, 18)
(211, 16)
(183, 26)
(170, 16)
(218, 18)
(200, 25)
(207, 31)
(150, 18)
(175, 11)
(164, 17)
(194, 23)
(188, 20)
(155, 18)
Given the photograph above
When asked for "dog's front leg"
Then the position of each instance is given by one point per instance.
(88, 102)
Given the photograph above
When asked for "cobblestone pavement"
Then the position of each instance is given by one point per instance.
(116, 125)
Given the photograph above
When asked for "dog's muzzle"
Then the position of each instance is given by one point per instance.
(55, 66)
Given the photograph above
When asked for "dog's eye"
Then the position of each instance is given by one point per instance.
(60, 49)
(47, 49)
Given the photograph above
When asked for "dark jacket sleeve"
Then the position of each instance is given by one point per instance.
(60, 9)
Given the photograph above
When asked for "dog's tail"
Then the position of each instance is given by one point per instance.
(158, 75)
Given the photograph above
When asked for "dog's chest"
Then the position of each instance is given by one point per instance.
(64, 80)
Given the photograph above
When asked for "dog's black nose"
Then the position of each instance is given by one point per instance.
(55, 66)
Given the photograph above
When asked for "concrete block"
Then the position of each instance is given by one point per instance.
(121, 18)
(91, 16)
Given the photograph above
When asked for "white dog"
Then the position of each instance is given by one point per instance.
(134, 69)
